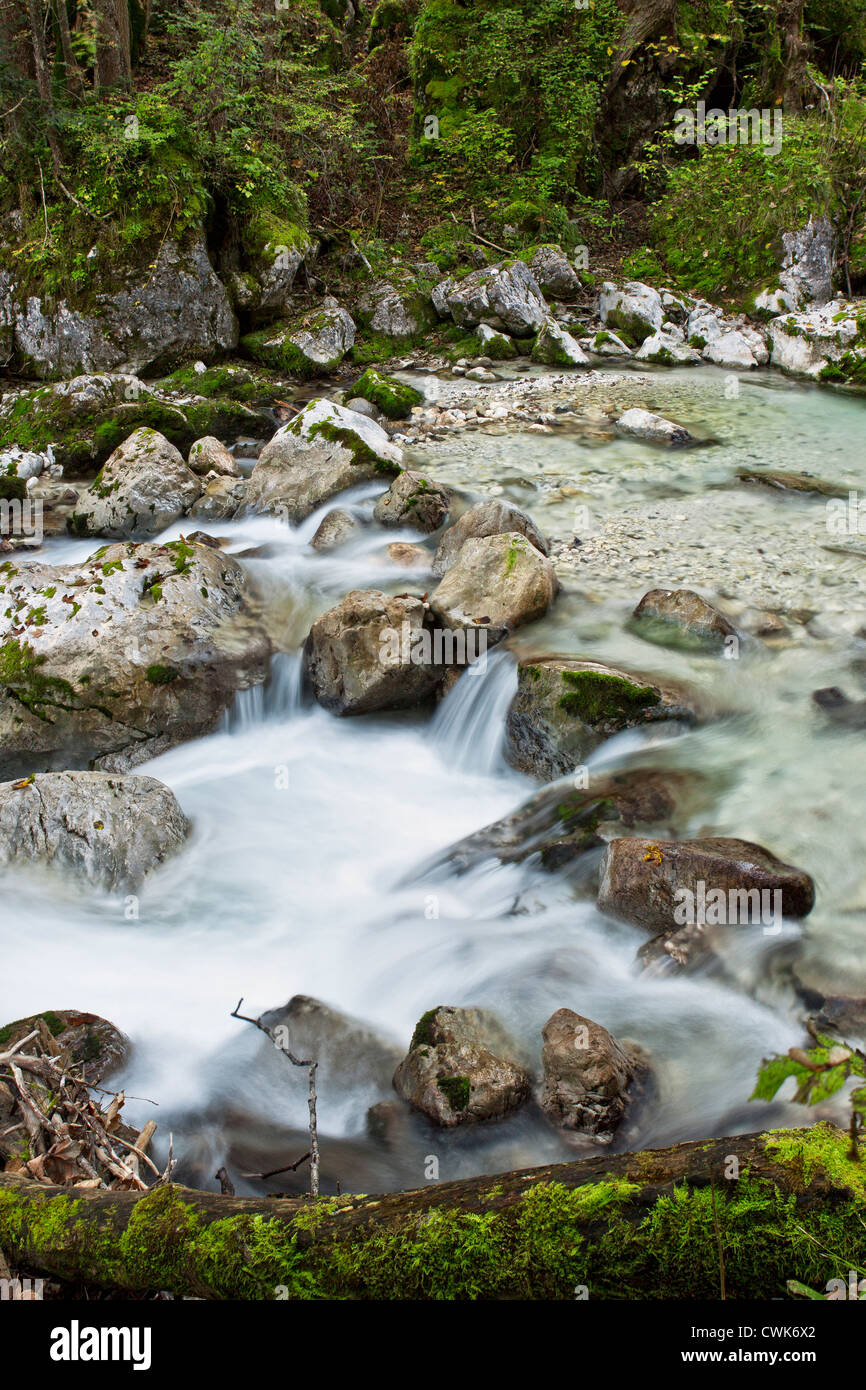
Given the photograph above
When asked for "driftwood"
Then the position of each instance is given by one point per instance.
(752, 1212)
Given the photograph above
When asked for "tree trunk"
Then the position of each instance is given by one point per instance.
(74, 80)
(112, 67)
(755, 1210)
(43, 78)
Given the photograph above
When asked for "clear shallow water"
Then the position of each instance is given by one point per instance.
(308, 872)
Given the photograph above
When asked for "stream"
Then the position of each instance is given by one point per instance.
(314, 866)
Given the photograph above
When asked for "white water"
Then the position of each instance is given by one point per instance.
(299, 879)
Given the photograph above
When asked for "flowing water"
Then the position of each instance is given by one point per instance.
(315, 861)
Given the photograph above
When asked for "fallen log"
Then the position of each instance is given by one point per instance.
(752, 1211)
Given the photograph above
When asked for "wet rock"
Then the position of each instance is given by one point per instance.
(395, 399)
(144, 486)
(497, 583)
(413, 500)
(94, 1046)
(565, 708)
(561, 823)
(408, 556)
(220, 500)
(349, 1052)
(209, 455)
(361, 407)
(686, 613)
(491, 517)
(556, 348)
(371, 652)
(667, 351)
(505, 296)
(138, 642)
(634, 312)
(791, 482)
(554, 273)
(657, 884)
(642, 424)
(172, 311)
(461, 1068)
(110, 831)
(587, 1075)
(836, 705)
(338, 526)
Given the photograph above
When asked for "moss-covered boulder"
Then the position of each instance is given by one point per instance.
(413, 501)
(461, 1068)
(312, 345)
(634, 312)
(133, 651)
(143, 487)
(394, 398)
(563, 709)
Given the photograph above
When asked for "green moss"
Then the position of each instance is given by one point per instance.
(423, 1035)
(456, 1090)
(598, 696)
(22, 678)
(161, 675)
(394, 398)
(53, 1022)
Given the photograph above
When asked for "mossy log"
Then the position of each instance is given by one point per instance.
(755, 1209)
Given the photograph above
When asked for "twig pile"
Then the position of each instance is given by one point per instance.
(51, 1128)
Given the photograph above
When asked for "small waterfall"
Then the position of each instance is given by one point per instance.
(277, 698)
(469, 725)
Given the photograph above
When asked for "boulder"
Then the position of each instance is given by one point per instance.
(556, 348)
(731, 349)
(137, 643)
(587, 1075)
(326, 450)
(334, 529)
(310, 346)
(93, 1045)
(564, 708)
(806, 277)
(110, 831)
(664, 885)
(827, 343)
(461, 1068)
(635, 312)
(394, 398)
(505, 296)
(665, 350)
(413, 500)
(655, 429)
(220, 500)
(349, 1053)
(410, 557)
(497, 583)
(172, 311)
(491, 517)
(684, 611)
(209, 455)
(703, 326)
(142, 488)
(439, 296)
(495, 344)
(371, 652)
(394, 312)
(325, 420)
(609, 344)
(553, 272)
